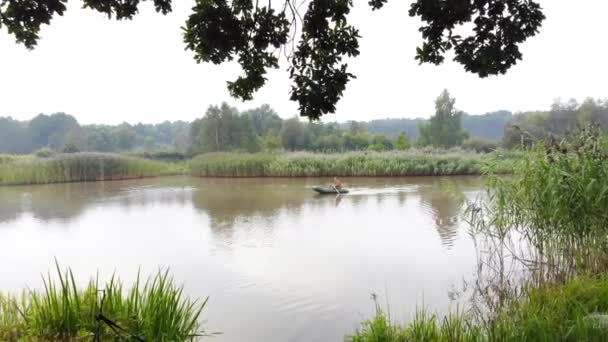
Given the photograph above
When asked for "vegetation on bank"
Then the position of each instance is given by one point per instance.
(46, 166)
(154, 310)
(361, 164)
(79, 167)
(543, 264)
(574, 311)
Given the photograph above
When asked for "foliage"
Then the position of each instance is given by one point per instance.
(553, 207)
(219, 31)
(445, 128)
(574, 311)
(152, 311)
(45, 153)
(479, 145)
(299, 164)
(61, 132)
(224, 129)
(560, 185)
(167, 156)
(403, 142)
(80, 167)
(293, 135)
(14, 136)
(557, 199)
(526, 128)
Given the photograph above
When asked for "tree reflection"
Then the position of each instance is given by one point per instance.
(66, 202)
(444, 198)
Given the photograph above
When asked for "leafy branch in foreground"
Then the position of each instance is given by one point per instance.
(255, 33)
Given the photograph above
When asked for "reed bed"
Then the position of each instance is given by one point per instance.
(80, 167)
(154, 310)
(361, 164)
(574, 311)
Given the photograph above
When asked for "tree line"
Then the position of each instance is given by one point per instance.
(62, 132)
(225, 128)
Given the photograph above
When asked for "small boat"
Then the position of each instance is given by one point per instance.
(328, 190)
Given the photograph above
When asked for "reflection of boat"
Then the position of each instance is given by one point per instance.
(328, 190)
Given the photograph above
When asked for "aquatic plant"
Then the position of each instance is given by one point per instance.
(79, 167)
(574, 311)
(554, 204)
(302, 164)
(154, 310)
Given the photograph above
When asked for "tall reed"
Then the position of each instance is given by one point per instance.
(300, 164)
(154, 310)
(574, 311)
(79, 167)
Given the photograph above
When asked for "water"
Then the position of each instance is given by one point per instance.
(278, 262)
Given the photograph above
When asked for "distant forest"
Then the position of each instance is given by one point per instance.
(224, 128)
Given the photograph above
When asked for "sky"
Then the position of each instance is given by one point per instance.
(104, 71)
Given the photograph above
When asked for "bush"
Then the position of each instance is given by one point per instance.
(45, 152)
(479, 145)
(170, 156)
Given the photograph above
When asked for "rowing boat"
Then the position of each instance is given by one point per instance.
(328, 190)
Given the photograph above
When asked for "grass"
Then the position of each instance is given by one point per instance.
(362, 164)
(155, 310)
(80, 167)
(549, 218)
(574, 311)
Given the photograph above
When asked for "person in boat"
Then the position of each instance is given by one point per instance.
(337, 183)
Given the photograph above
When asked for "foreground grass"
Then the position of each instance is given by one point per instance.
(152, 311)
(412, 163)
(575, 311)
(80, 167)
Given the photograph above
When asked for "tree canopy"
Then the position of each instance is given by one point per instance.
(255, 34)
(444, 129)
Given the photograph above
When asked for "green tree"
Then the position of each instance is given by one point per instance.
(251, 31)
(381, 143)
(14, 137)
(264, 119)
(50, 130)
(356, 142)
(293, 135)
(403, 142)
(100, 138)
(124, 137)
(444, 129)
(271, 142)
(75, 139)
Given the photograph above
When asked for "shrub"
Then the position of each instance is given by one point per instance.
(479, 145)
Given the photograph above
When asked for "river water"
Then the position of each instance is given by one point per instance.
(278, 262)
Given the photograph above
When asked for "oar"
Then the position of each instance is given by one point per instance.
(338, 192)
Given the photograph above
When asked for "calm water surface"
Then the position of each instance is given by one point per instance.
(278, 262)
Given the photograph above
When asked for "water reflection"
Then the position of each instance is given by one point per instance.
(269, 252)
(230, 203)
(66, 202)
(444, 198)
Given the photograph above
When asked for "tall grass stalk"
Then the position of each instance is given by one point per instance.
(301, 164)
(80, 167)
(154, 310)
(574, 311)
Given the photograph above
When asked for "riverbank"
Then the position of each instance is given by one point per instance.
(574, 311)
(354, 164)
(81, 167)
(154, 310)
(93, 166)
(542, 261)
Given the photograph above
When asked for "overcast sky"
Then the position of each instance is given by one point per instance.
(104, 71)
